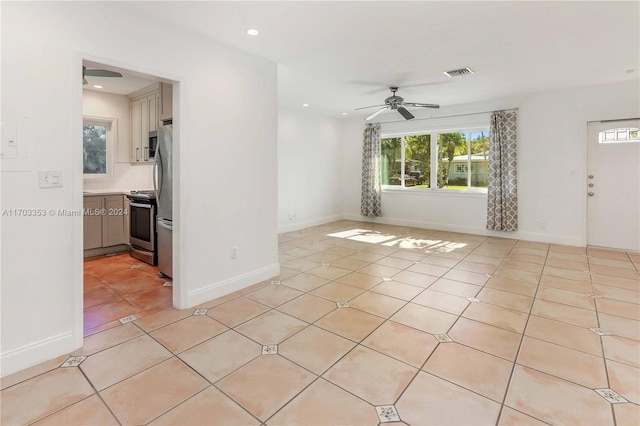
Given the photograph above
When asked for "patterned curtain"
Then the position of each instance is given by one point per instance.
(371, 186)
(502, 200)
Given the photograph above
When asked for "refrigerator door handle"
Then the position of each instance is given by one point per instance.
(165, 225)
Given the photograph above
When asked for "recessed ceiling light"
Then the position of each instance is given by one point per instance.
(97, 86)
(253, 32)
(344, 113)
(305, 105)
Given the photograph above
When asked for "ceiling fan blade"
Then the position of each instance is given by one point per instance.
(102, 73)
(376, 113)
(413, 104)
(405, 113)
(372, 106)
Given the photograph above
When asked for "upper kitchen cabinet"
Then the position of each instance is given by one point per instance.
(149, 106)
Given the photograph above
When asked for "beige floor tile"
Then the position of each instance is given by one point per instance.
(623, 350)
(298, 252)
(525, 257)
(579, 300)
(473, 370)
(621, 309)
(274, 295)
(423, 318)
(160, 319)
(447, 404)
(564, 334)
(511, 417)
(516, 275)
(360, 280)
(522, 266)
(506, 299)
(341, 251)
(486, 260)
(624, 380)
(337, 292)
(440, 261)
(323, 403)
(623, 283)
(350, 263)
(401, 342)
(124, 360)
(43, 395)
(301, 265)
(304, 282)
(183, 334)
(568, 274)
(366, 373)
(497, 316)
(512, 286)
(620, 326)
(559, 248)
(615, 271)
(615, 293)
(409, 255)
(273, 381)
(28, 373)
(398, 290)
(90, 411)
(221, 355)
(565, 284)
(377, 304)
(145, 396)
(424, 268)
(442, 301)
(479, 268)
(467, 277)
(556, 401)
(565, 313)
(271, 327)
(487, 338)
(329, 272)
(237, 311)
(627, 414)
(323, 257)
(308, 308)
(209, 407)
(395, 262)
(315, 349)
(578, 367)
(350, 323)
(367, 256)
(415, 279)
(455, 288)
(607, 254)
(568, 264)
(380, 271)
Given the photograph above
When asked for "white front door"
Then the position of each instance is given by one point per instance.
(613, 185)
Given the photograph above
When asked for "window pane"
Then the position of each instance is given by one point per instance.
(620, 135)
(417, 158)
(391, 161)
(453, 150)
(479, 159)
(95, 149)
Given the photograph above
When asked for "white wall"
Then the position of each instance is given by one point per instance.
(126, 176)
(218, 89)
(552, 142)
(309, 169)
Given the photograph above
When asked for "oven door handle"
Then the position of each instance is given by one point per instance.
(144, 206)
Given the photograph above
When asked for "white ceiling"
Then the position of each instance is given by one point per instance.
(337, 56)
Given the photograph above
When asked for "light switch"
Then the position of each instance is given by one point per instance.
(50, 179)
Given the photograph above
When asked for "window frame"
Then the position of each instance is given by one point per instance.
(433, 132)
(111, 125)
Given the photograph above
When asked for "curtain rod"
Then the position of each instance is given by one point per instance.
(614, 120)
(449, 116)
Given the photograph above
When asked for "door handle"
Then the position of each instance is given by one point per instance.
(591, 194)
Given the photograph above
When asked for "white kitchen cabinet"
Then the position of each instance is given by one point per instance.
(144, 110)
(166, 102)
(104, 221)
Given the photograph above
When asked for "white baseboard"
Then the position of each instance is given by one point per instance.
(36, 353)
(230, 285)
(295, 226)
(542, 237)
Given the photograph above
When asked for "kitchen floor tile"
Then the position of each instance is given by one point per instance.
(622, 350)
(271, 328)
(580, 287)
(402, 343)
(621, 309)
(237, 311)
(522, 266)
(624, 380)
(511, 417)
(31, 372)
(569, 314)
(398, 290)
(108, 312)
(273, 381)
(162, 318)
(350, 323)
(447, 404)
(579, 300)
(329, 272)
(337, 292)
(505, 299)
(374, 377)
(426, 319)
(497, 316)
(487, 338)
(415, 279)
(564, 334)
(274, 295)
(315, 349)
(620, 326)
(99, 295)
(360, 280)
(304, 282)
(627, 414)
(90, 411)
(307, 308)
(512, 286)
(455, 288)
(467, 277)
(152, 300)
(442, 301)
(188, 332)
(377, 304)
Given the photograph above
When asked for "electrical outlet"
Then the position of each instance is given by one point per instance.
(234, 252)
(542, 225)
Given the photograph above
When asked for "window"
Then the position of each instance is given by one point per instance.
(97, 146)
(456, 161)
(621, 135)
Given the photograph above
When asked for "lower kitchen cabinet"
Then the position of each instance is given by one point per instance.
(104, 221)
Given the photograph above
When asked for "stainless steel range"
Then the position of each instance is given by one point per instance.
(143, 234)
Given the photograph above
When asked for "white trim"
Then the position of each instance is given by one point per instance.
(37, 352)
(309, 223)
(230, 285)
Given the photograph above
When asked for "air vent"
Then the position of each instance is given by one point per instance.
(458, 73)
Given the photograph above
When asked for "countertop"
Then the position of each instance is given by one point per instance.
(90, 192)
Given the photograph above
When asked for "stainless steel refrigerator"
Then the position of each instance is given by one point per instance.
(163, 182)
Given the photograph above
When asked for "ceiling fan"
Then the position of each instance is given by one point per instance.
(396, 103)
(97, 73)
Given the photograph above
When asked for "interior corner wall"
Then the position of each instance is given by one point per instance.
(309, 169)
(226, 181)
(552, 165)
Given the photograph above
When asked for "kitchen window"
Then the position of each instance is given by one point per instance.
(437, 160)
(98, 136)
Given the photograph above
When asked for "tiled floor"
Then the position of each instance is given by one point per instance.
(369, 324)
(116, 286)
